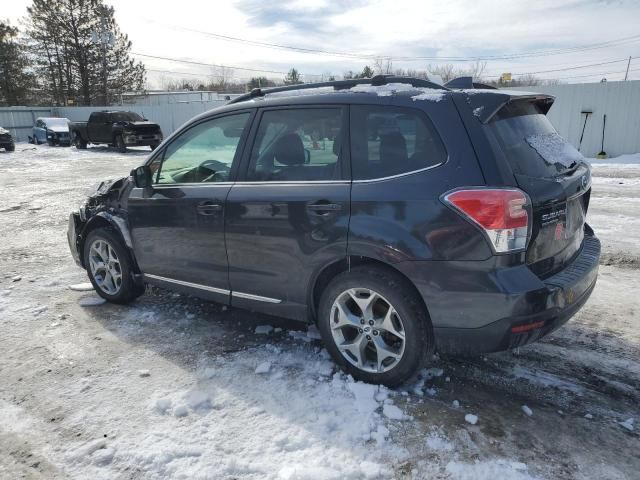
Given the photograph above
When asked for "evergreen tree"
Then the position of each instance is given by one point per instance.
(16, 80)
(81, 54)
(293, 77)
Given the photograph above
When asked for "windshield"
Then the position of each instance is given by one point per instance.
(530, 143)
(127, 117)
(56, 122)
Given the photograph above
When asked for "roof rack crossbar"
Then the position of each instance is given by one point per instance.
(378, 80)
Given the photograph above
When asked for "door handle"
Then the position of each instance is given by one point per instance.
(208, 208)
(324, 208)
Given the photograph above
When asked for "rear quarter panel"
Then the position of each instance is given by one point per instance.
(402, 219)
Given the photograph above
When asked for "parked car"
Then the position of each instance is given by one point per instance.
(6, 140)
(51, 130)
(398, 215)
(119, 129)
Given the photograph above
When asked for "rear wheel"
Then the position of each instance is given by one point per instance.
(10, 148)
(120, 145)
(109, 266)
(373, 325)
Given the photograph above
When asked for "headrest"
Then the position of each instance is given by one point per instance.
(393, 148)
(289, 150)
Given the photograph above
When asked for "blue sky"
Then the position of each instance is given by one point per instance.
(452, 28)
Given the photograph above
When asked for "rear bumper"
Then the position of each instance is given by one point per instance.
(510, 307)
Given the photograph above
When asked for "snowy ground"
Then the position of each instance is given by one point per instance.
(175, 388)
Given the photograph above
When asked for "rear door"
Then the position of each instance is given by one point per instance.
(289, 213)
(178, 224)
(554, 175)
(95, 126)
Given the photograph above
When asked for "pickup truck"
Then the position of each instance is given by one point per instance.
(118, 129)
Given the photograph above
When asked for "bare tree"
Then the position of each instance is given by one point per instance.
(383, 66)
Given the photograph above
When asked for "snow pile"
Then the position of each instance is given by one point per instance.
(527, 411)
(554, 149)
(288, 418)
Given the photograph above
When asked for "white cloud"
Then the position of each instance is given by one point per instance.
(400, 28)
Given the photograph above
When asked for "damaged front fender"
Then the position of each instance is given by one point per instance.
(105, 207)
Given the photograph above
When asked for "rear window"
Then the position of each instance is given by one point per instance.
(389, 140)
(530, 143)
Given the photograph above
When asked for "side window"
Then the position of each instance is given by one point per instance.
(387, 140)
(97, 118)
(204, 153)
(298, 145)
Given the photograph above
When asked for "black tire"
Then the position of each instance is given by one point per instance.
(80, 143)
(418, 342)
(10, 148)
(129, 289)
(118, 141)
(50, 143)
(153, 147)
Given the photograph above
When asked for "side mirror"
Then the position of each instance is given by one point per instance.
(142, 176)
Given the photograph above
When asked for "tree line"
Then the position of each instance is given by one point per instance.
(70, 52)
(224, 81)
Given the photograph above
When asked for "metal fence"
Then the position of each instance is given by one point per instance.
(20, 120)
(620, 101)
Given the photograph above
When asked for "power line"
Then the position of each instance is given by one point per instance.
(577, 67)
(192, 62)
(630, 39)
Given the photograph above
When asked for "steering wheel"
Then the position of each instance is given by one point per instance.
(213, 170)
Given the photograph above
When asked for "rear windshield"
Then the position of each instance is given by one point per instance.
(530, 143)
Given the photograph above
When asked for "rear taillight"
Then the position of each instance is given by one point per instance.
(501, 213)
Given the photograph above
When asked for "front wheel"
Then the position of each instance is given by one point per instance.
(10, 148)
(120, 145)
(374, 326)
(80, 143)
(109, 267)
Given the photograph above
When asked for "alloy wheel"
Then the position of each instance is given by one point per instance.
(105, 266)
(367, 330)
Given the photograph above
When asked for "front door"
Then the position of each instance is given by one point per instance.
(178, 224)
(288, 214)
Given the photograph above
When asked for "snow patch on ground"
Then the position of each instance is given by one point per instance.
(92, 301)
(488, 469)
(81, 287)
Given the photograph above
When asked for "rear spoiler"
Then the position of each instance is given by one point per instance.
(485, 104)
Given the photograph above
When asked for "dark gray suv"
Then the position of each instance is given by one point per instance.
(398, 215)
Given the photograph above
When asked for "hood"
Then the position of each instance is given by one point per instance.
(59, 128)
(105, 187)
(144, 123)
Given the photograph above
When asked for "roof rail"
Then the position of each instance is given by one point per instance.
(375, 81)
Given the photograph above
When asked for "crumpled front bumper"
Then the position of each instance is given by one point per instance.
(74, 227)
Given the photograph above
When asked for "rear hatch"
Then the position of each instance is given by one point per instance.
(553, 173)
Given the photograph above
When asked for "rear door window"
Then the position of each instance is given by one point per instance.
(530, 143)
(389, 140)
(301, 144)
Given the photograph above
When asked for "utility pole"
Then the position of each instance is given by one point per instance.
(626, 75)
